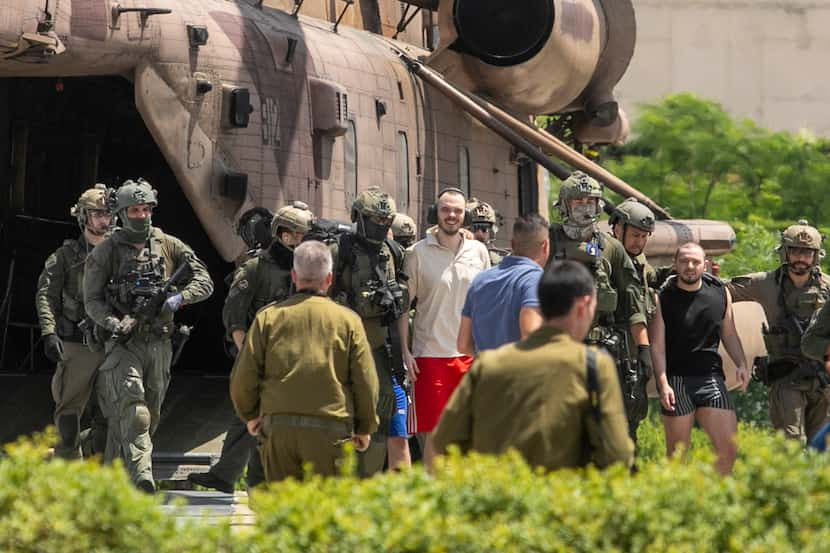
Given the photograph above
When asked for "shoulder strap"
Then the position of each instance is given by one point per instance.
(593, 382)
(345, 252)
(557, 241)
(397, 255)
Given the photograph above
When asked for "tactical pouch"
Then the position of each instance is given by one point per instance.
(67, 329)
(776, 343)
(606, 300)
(364, 304)
(71, 308)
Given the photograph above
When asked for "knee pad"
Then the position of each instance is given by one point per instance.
(69, 430)
(138, 416)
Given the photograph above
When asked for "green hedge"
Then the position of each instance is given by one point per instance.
(67, 507)
(777, 500)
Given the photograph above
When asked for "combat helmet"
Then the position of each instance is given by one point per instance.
(481, 212)
(254, 227)
(132, 192)
(631, 212)
(373, 211)
(801, 235)
(578, 185)
(93, 199)
(296, 217)
(404, 229)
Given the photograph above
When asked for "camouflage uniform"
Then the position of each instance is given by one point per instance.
(620, 298)
(631, 212)
(482, 213)
(133, 379)
(263, 279)
(799, 398)
(360, 260)
(60, 308)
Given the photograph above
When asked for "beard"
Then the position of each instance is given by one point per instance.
(97, 231)
(799, 268)
(689, 279)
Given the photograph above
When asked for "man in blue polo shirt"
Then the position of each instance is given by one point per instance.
(502, 304)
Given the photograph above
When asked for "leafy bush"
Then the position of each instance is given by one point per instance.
(66, 507)
(776, 501)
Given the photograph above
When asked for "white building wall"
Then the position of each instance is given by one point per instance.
(768, 60)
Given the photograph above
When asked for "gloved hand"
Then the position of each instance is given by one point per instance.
(172, 303)
(53, 348)
(125, 326)
(644, 361)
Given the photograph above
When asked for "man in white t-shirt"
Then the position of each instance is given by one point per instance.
(441, 268)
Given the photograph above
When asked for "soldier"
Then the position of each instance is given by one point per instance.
(60, 309)
(799, 399)
(135, 281)
(404, 230)
(484, 224)
(555, 401)
(620, 322)
(261, 280)
(369, 279)
(632, 224)
(318, 388)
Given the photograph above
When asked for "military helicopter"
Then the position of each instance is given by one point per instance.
(225, 105)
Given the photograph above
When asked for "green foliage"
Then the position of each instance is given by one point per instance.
(777, 500)
(693, 158)
(66, 507)
(755, 250)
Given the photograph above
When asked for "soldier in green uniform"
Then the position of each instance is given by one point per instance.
(632, 224)
(404, 230)
(261, 280)
(621, 314)
(317, 389)
(128, 292)
(554, 400)
(60, 309)
(368, 278)
(799, 398)
(484, 224)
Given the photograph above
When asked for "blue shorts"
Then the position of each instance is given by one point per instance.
(397, 428)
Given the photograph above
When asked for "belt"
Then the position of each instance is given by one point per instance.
(319, 423)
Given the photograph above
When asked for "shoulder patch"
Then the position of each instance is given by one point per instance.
(242, 284)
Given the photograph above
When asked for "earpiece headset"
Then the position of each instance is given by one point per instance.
(432, 212)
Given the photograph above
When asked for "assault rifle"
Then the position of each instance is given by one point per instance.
(149, 297)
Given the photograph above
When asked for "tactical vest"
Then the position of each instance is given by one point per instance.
(589, 254)
(271, 282)
(643, 270)
(72, 293)
(359, 272)
(139, 274)
(783, 337)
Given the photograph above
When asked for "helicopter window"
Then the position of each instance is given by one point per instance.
(350, 163)
(403, 171)
(464, 169)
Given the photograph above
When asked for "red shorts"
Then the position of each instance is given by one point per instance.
(437, 379)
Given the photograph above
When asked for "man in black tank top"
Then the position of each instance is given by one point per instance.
(696, 313)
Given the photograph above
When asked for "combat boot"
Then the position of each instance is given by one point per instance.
(146, 486)
(210, 480)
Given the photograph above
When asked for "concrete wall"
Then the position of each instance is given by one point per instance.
(762, 59)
